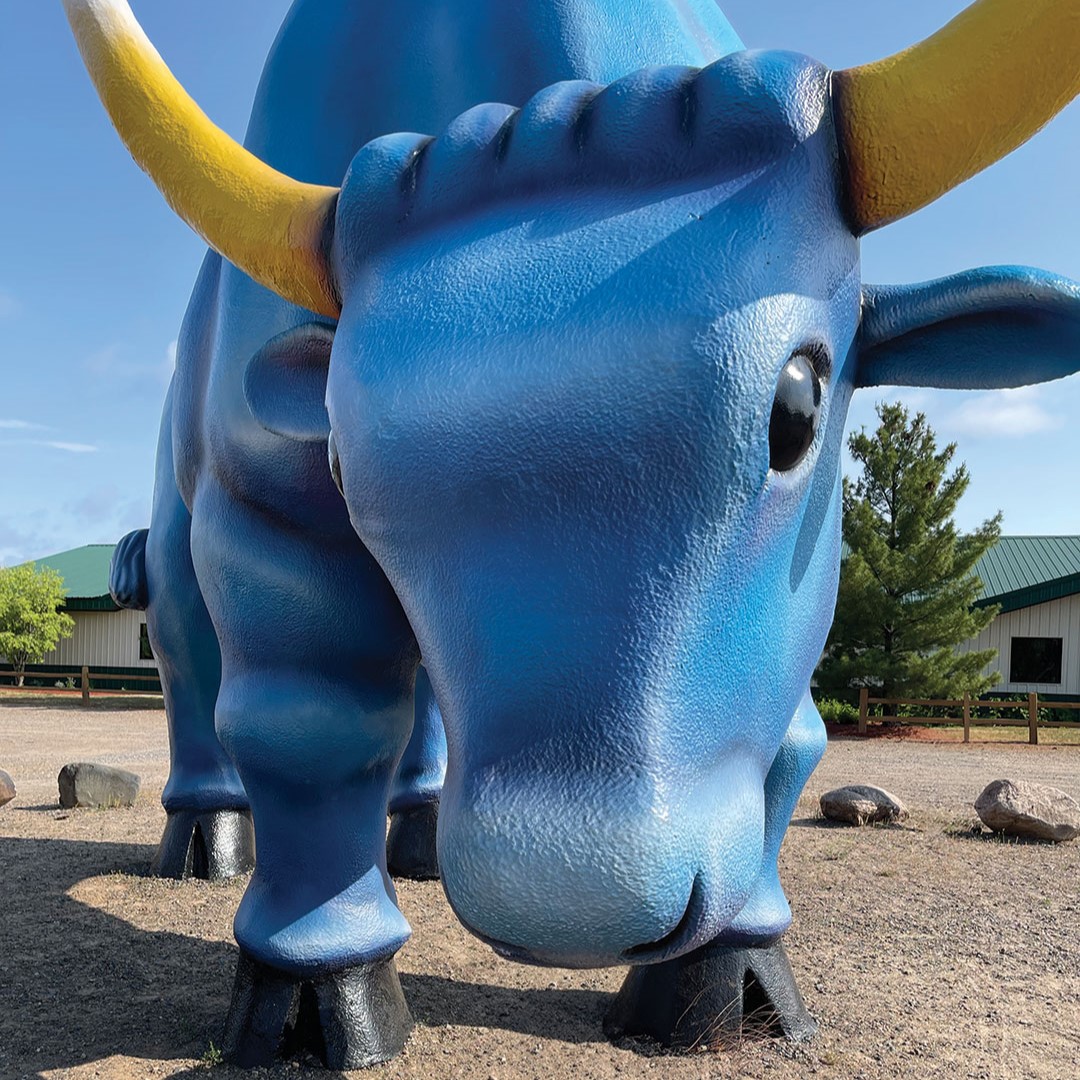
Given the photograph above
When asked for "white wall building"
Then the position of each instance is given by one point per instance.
(1036, 582)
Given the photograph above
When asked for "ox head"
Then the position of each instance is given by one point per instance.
(588, 391)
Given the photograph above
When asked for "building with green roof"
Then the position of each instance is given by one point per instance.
(1036, 582)
(85, 571)
(1034, 579)
(107, 639)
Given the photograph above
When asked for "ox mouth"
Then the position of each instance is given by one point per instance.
(680, 939)
(677, 940)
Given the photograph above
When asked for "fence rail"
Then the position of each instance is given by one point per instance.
(86, 677)
(967, 704)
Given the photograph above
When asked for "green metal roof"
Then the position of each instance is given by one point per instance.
(85, 571)
(1019, 571)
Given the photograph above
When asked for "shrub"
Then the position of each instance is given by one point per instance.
(837, 712)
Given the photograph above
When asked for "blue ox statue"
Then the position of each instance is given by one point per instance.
(586, 395)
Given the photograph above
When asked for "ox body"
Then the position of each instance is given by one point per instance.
(585, 405)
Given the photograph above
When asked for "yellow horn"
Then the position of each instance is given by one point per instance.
(272, 227)
(918, 123)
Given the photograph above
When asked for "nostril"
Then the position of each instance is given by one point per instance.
(683, 930)
(335, 462)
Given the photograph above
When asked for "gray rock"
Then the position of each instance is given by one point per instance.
(1035, 811)
(85, 784)
(862, 804)
(7, 788)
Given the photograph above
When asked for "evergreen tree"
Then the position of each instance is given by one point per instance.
(906, 585)
(31, 622)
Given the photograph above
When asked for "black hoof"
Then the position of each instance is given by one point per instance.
(711, 997)
(347, 1020)
(410, 844)
(210, 844)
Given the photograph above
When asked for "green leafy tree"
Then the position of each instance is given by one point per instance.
(906, 585)
(31, 622)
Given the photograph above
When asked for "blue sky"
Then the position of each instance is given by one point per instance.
(95, 271)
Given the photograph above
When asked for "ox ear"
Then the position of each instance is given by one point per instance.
(285, 383)
(985, 329)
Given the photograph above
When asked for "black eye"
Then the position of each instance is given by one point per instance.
(795, 413)
(335, 462)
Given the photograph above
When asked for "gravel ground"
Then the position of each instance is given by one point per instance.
(924, 951)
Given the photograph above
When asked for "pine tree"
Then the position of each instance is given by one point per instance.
(906, 585)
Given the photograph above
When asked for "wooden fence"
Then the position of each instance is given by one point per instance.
(86, 676)
(967, 705)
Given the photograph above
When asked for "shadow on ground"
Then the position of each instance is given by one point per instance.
(978, 833)
(817, 823)
(78, 985)
(846, 826)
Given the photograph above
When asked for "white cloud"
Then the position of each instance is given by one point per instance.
(9, 306)
(69, 447)
(1003, 414)
(20, 425)
(52, 444)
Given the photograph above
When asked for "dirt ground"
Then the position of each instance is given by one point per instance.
(924, 951)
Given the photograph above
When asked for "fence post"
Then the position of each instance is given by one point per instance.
(85, 683)
(864, 708)
(1033, 719)
(967, 717)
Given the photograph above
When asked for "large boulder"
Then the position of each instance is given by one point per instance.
(85, 784)
(862, 804)
(1034, 811)
(7, 788)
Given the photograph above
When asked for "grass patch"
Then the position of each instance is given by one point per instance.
(212, 1056)
(1048, 736)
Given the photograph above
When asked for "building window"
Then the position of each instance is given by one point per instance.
(1035, 660)
(145, 652)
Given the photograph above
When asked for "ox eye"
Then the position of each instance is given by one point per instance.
(335, 462)
(795, 412)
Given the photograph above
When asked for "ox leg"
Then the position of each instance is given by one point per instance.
(348, 1019)
(714, 996)
(318, 926)
(740, 984)
(208, 831)
(315, 707)
(211, 845)
(414, 798)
